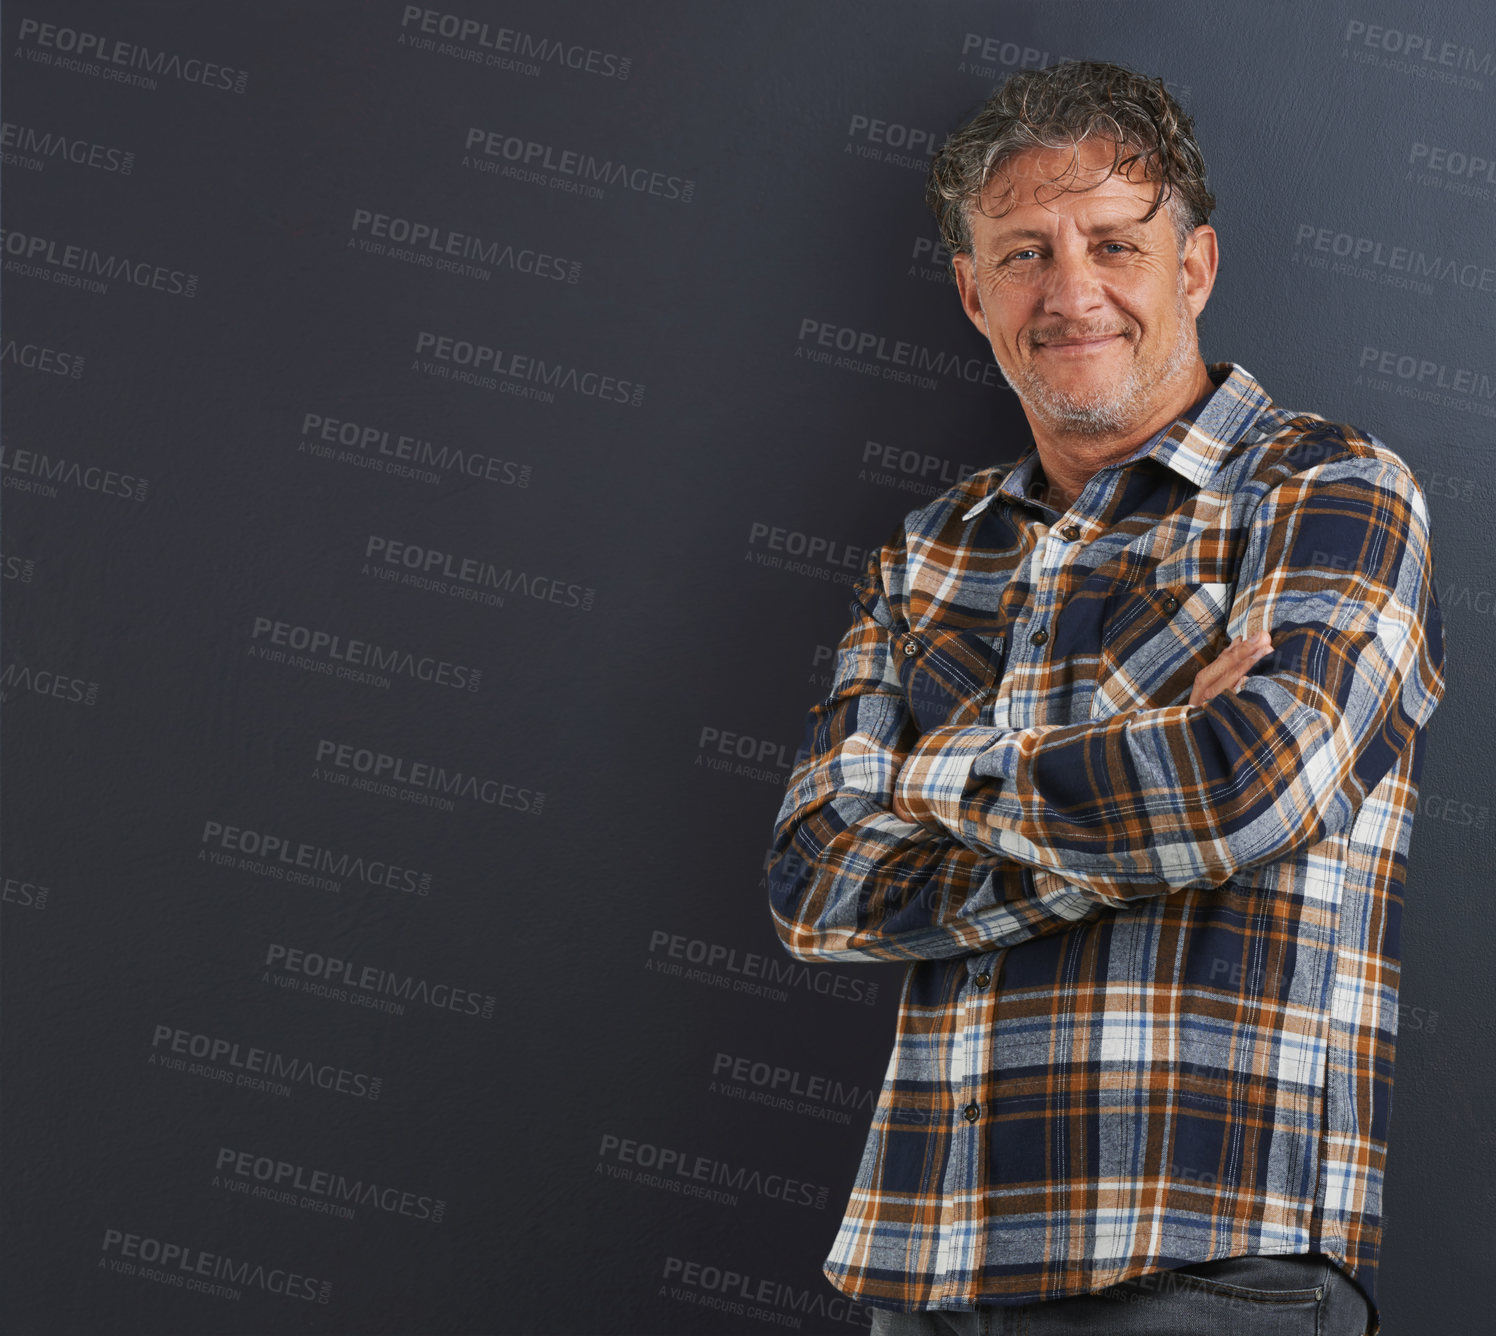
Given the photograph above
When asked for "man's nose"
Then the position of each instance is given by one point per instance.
(1072, 288)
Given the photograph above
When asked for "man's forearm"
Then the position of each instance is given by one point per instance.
(878, 888)
(1187, 796)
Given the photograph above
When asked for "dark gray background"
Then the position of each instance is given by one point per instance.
(146, 608)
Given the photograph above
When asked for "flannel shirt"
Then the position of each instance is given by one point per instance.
(1150, 1007)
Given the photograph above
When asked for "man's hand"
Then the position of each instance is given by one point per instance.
(1229, 670)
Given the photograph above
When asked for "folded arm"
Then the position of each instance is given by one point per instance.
(850, 881)
(1338, 568)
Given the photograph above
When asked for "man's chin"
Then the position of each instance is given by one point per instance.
(1077, 410)
(1099, 421)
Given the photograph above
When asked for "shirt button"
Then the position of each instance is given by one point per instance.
(1171, 604)
(972, 1112)
(1071, 531)
(910, 647)
(982, 979)
(1039, 636)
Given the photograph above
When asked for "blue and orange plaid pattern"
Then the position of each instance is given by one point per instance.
(1150, 1007)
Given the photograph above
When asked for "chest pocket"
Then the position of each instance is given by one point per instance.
(1154, 640)
(948, 673)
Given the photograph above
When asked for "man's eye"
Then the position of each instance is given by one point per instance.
(1114, 247)
(1020, 255)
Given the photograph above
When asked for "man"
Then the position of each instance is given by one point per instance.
(1121, 756)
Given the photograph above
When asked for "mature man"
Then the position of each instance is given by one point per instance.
(1121, 756)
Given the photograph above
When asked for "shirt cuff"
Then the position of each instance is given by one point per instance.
(937, 782)
(1000, 760)
(938, 786)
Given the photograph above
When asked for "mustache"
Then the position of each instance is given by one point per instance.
(1075, 329)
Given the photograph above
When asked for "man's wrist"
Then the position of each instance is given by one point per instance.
(934, 784)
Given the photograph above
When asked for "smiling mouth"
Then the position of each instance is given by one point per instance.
(1075, 347)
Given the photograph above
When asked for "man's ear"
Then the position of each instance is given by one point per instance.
(966, 285)
(1199, 262)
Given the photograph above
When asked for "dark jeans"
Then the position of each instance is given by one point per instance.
(1304, 1295)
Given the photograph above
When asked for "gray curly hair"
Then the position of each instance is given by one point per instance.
(1058, 107)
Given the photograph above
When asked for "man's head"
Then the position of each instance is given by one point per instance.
(1075, 209)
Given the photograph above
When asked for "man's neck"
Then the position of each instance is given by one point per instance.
(1071, 459)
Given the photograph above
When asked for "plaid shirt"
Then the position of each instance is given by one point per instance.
(1150, 1009)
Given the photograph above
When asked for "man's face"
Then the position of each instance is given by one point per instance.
(1090, 311)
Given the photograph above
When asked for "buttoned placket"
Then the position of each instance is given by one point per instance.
(960, 1186)
(970, 1144)
(961, 1189)
(1042, 570)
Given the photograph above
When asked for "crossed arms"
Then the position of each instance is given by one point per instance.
(892, 845)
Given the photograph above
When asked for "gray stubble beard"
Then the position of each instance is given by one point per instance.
(1088, 417)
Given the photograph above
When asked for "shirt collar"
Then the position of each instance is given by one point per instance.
(1194, 445)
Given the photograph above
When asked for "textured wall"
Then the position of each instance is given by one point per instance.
(419, 557)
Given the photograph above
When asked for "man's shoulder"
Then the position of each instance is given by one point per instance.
(1288, 443)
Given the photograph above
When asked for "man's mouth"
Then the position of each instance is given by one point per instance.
(1076, 338)
(1076, 345)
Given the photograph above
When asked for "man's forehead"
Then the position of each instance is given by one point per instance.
(1124, 207)
(1091, 157)
(1088, 165)
(1041, 182)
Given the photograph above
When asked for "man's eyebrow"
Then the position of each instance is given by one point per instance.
(1128, 227)
(1020, 233)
